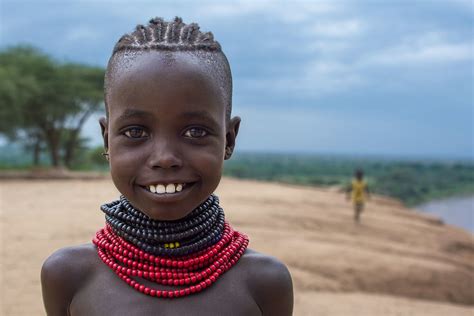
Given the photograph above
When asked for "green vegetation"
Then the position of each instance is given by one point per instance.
(412, 182)
(13, 156)
(44, 104)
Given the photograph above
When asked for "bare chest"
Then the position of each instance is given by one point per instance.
(105, 294)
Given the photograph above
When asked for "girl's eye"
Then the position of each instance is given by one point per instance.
(195, 132)
(135, 132)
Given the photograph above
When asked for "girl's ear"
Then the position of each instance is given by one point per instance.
(105, 132)
(232, 130)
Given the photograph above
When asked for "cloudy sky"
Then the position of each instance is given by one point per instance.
(357, 77)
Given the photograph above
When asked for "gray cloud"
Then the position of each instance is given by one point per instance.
(365, 62)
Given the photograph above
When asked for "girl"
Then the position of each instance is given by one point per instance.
(166, 248)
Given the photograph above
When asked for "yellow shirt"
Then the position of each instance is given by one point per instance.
(358, 191)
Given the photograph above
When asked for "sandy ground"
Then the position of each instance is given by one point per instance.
(397, 262)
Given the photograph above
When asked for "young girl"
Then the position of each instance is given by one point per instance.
(359, 191)
(166, 248)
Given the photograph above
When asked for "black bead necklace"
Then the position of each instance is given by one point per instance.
(198, 230)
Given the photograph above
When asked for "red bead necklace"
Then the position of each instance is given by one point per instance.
(191, 273)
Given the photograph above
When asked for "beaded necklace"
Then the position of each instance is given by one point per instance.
(187, 254)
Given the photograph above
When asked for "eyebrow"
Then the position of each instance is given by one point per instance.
(199, 114)
(129, 113)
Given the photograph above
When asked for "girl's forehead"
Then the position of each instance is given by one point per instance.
(157, 64)
(160, 79)
(134, 70)
(160, 69)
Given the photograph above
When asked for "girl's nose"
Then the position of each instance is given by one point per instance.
(164, 155)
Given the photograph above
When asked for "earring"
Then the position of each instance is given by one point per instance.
(106, 155)
(228, 152)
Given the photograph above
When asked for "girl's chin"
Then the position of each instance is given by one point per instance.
(165, 211)
(167, 206)
(161, 215)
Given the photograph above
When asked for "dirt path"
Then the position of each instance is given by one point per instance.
(396, 262)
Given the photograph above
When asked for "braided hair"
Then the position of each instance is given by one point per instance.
(172, 36)
(175, 36)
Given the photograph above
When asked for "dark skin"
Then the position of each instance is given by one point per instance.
(166, 124)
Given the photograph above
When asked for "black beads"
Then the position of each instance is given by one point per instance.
(200, 229)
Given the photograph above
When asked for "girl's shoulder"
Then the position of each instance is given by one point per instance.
(64, 273)
(70, 263)
(267, 279)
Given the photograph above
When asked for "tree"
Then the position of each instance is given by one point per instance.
(21, 70)
(42, 101)
(85, 97)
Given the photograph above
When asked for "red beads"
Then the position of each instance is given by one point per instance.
(192, 273)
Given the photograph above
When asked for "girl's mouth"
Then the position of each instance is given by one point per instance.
(167, 189)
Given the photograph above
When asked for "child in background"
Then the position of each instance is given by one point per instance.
(360, 191)
(166, 248)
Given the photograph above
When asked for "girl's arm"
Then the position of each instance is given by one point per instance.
(272, 286)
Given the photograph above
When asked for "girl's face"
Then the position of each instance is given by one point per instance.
(166, 132)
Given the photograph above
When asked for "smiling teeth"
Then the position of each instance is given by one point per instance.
(160, 188)
(166, 188)
(170, 188)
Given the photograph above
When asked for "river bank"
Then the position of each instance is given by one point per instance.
(457, 211)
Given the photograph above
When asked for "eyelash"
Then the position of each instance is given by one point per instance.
(127, 132)
(186, 134)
